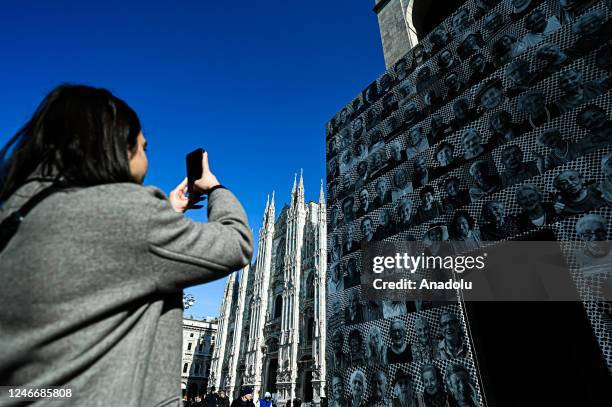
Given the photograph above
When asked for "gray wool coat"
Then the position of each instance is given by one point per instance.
(91, 289)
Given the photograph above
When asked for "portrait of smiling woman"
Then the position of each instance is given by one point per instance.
(102, 259)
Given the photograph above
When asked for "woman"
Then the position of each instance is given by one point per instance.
(535, 212)
(463, 234)
(433, 394)
(497, 225)
(103, 261)
(375, 349)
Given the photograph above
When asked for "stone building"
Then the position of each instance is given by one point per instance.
(198, 345)
(272, 319)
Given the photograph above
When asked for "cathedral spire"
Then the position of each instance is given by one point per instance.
(300, 190)
(266, 210)
(321, 194)
(271, 209)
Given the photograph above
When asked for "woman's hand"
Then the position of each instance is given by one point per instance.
(208, 179)
(180, 201)
(178, 197)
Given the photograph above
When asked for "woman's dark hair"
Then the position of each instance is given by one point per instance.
(462, 214)
(78, 134)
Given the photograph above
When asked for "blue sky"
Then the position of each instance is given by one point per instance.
(253, 82)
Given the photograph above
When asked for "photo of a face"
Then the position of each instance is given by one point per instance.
(401, 70)
(492, 96)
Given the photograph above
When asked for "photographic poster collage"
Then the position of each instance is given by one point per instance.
(496, 126)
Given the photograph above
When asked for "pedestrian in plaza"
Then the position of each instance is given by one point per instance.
(212, 398)
(223, 399)
(106, 257)
(266, 401)
(245, 399)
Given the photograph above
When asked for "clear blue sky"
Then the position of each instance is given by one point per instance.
(253, 82)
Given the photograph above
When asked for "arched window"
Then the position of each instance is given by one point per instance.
(185, 367)
(278, 306)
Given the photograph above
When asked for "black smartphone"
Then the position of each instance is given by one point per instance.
(194, 168)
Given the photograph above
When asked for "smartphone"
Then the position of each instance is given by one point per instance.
(194, 168)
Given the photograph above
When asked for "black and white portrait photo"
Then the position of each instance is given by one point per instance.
(402, 389)
(471, 142)
(471, 42)
(337, 398)
(423, 349)
(433, 394)
(429, 208)
(452, 344)
(386, 225)
(446, 60)
(353, 315)
(538, 112)
(439, 38)
(520, 77)
(595, 256)
(404, 212)
(399, 350)
(397, 154)
(358, 386)
(347, 210)
(504, 49)
(552, 57)
(353, 277)
(338, 359)
(576, 91)
(461, 21)
(401, 70)
(365, 203)
(462, 114)
(575, 195)
(383, 193)
(490, 95)
(420, 176)
(480, 68)
(378, 390)
(515, 168)
(502, 128)
(486, 182)
(594, 119)
(463, 232)
(561, 151)
(367, 229)
(416, 141)
(336, 279)
(538, 26)
(375, 348)
(350, 243)
(454, 85)
(461, 390)
(456, 197)
(534, 211)
(497, 224)
(401, 184)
